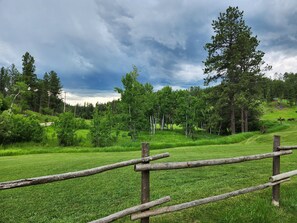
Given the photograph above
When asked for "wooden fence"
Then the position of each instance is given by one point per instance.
(143, 164)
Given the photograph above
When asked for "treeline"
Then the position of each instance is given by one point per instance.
(284, 86)
(23, 90)
(143, 109)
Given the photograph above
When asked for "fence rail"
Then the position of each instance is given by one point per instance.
(143, 164)
(286, 147)
(201, 163)
(283, 176)
(207, 200)
(82, 173)
(132, 210)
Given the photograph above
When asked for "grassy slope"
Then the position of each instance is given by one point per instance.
(86, 199)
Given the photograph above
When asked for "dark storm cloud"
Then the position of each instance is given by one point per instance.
(91, 44)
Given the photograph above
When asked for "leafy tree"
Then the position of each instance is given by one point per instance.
(151, 107)
(3, 103)
(232, 56)
(18, 128)
(133, 100)
(185, 112)
(19, 93)
(65, 128)
(101, 130)
(166, 104)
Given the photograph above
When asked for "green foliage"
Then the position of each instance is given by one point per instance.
(3, 103)
(134, 101)
(81, 124)
(101, 131)
(65, 129)
(4, 81)
(19, 128)
(234, 59)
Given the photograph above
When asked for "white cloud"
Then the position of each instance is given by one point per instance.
(174, 87)
(74, 96)
(281, 62)
(189, 73)
(89, 40)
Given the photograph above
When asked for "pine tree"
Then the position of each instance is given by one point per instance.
(232, 57)
(30, 78)
(55, 89)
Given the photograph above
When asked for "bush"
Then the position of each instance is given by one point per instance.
(5, 128)
(101, 131)
(81, 124)
(19, 128)
(65, 129)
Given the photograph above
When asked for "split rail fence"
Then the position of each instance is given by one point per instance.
(143, 165)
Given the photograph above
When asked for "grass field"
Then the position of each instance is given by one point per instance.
(89, 198)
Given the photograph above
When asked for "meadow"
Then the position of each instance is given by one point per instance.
(89, 198)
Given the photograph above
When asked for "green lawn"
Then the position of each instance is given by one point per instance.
(89, 198)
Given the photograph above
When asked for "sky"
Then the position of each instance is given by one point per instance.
(91, 44)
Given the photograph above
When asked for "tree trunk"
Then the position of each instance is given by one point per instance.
(219, 132)
(155, 124)
(232, 118)
(242, 120)
(163, 120)
(151, 125)
(186, 129)
(246, 127)
(49, 101)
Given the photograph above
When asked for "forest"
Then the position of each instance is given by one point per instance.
(140, 109)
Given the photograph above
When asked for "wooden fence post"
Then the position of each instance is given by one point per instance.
(275, 171)
(145, 180)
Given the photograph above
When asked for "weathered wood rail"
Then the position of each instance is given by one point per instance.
(82, 173)
(143, 164)
(202, 163)
(207, 200)
(132, 210)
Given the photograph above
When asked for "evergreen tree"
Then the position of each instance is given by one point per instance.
(30, 78)
(55, 89)
(4, 81)
(232, 57)
(290, 80)
(14, 77)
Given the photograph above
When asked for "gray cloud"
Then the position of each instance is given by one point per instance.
(91, 44)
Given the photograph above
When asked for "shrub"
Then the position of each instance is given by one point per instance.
(101, 131)
(5, 128)
(65, 129)
(81, 124)
(18, 128)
